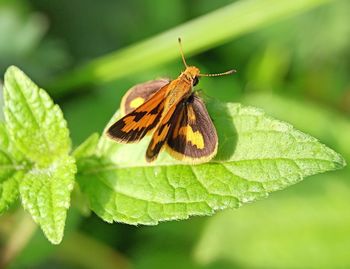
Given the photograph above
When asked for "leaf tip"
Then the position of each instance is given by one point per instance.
(339, 162)
(11, 71)
(56, 240)
(12, 68)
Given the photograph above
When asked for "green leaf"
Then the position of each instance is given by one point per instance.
(224, 24)
(38, 129)
(9, 191)
(87, 148)
(256, 155)
(45, 193)
(12, 166)
(305, 227)
(34, 122)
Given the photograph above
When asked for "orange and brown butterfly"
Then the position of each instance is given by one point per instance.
(174, 112)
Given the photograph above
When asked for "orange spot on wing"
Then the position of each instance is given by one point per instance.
(144, 122)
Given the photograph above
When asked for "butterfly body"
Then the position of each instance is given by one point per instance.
(180, 87)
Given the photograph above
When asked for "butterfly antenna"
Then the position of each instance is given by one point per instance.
(218, 74)
(182, 53)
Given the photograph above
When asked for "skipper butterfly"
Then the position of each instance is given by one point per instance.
(174, 112)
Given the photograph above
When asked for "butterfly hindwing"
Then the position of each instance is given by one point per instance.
(135, 125)
(139, 94)
(193, 137)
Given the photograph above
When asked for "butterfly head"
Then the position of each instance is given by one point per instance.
(192, 74)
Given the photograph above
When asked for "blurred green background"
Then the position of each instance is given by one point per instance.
(296, 67)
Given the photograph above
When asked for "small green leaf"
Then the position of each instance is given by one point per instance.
(84, 150)
(87, 148)
(257, 155)
(12, 167)
(45, 193)
(34, 122)
(9, 191)
(80, 201)
(37, 128)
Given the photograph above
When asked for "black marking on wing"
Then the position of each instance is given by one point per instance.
(134, 126)
(178, 143)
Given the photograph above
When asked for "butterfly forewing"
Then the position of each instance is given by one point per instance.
(139, 94)
(136, 124)
(163, 131)
(193, 137)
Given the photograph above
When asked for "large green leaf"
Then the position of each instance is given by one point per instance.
(306, 227)
(257, 155)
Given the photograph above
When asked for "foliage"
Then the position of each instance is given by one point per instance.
(257, 155)
(298, 50)
(38, 131)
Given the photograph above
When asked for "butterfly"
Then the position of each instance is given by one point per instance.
(174, 113)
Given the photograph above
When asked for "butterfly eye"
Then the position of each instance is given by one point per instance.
(195, 81)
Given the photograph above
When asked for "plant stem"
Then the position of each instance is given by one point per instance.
(18, 238)
(198, 35)
(84, 251)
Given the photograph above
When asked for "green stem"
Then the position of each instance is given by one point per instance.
(20, 235)
(85, 252)
(198, 35)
